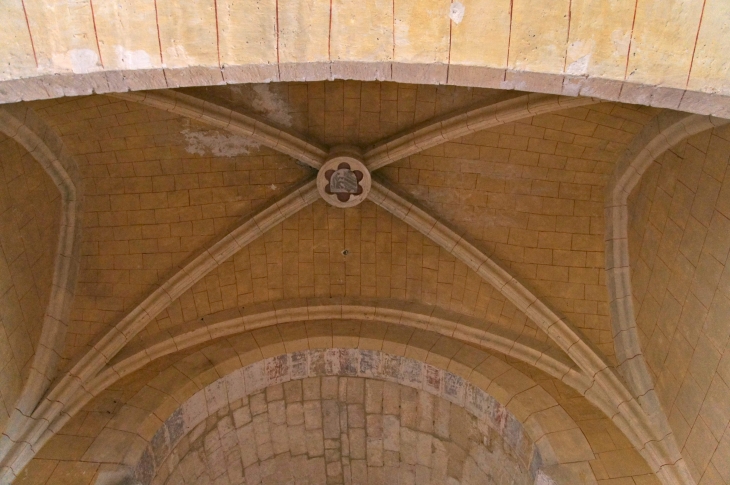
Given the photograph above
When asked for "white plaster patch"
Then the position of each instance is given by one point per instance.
(79, 61)
(213, 142)
(83, 60)
(127, 59)
(579, 67)
(456, 12)
(269, 103)
(581, 52)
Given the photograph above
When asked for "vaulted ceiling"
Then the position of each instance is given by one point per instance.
(179, 236)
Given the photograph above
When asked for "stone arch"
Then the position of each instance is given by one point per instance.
(28, 130)
(254, 356)
(665, 132)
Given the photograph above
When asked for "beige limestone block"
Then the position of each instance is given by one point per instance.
(16, 51)
(58, 49)
(600, 34)
(127, 32)
(362, 31)
(711, 65)
(422, 31)
(304, 30)
(539, 35)
(188, 33)
(481, 37)
(247, 32)
(663, 41)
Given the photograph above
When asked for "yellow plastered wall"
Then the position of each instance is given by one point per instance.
(545, 45)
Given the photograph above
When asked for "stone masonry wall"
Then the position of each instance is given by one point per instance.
(337, 430)
(30, 209)
(678, 244)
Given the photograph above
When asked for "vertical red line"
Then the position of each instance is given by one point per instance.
(217, 33)
(278, 69)
(509, 37)
(567, 40)
(631, 39)
(697, 37)
(30, 34)
(393, 53)
(159, 38)
(96, 34)
(329, 39)
(448, 62)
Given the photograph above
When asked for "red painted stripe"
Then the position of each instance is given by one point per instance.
(32, 45)
(509, 37)
(567, 40)
(329, 38)
(392, 56)
(631, 39)
(217, 33)
(277, 40)
(96, 34)
(159, 38)
(448, 62)
(692, 61)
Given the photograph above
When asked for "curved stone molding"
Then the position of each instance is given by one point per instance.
(413, 315)
(508, 408)
(369, 364)
(596, 379)
(662, 133)
(75, 380)
(456, 446)
(28, 130)
(234, 122)
(457, 125)
(624, 410)
(59, 84)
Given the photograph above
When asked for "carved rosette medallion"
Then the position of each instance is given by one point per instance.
(343, 181)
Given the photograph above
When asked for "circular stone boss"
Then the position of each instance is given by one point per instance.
(343, 181)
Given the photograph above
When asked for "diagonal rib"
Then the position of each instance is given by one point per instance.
(77, 378)
(609, 392)
(232, 121)
(464, 122)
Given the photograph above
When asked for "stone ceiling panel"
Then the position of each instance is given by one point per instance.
(158, 189)
(30, 210)
(325, 252)
(679, 221)
(352, 112)
(531, 193)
